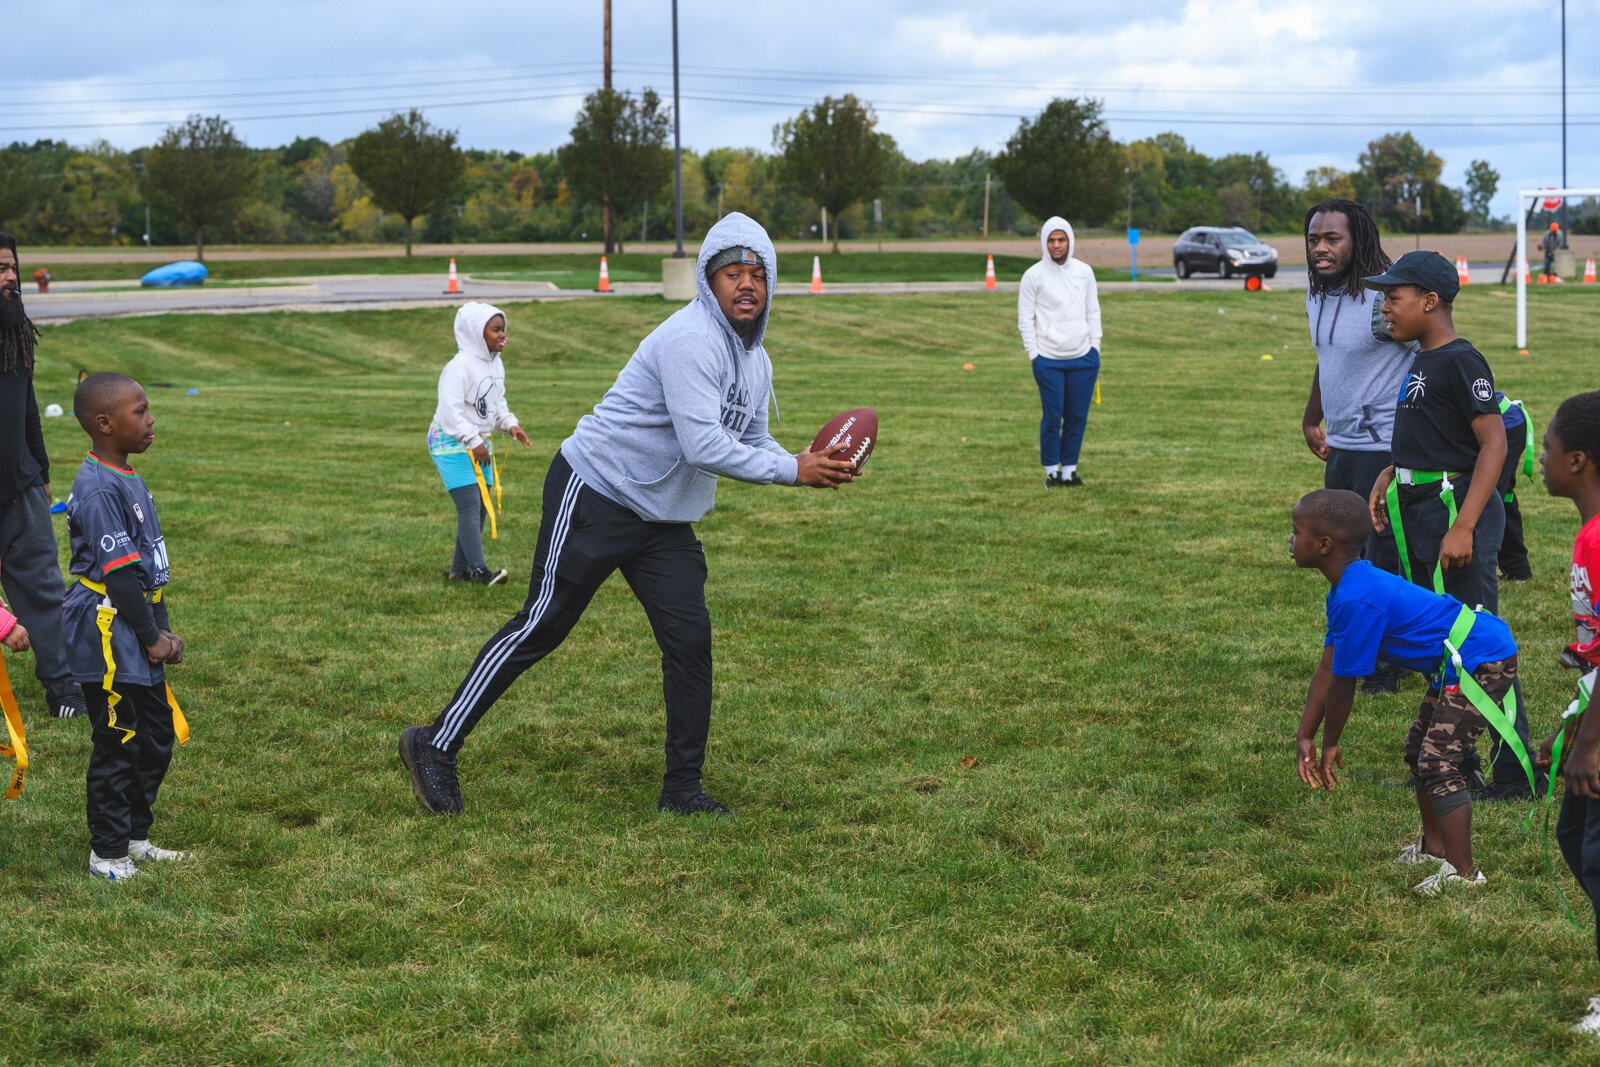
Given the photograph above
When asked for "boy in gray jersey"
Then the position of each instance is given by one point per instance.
(115, 623)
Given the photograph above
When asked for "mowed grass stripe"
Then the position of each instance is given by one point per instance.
(1125, 870)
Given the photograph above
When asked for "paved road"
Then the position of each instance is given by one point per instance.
(82, 300)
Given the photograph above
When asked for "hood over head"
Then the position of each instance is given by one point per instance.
(735, 230)
(1051, 225)
(471, 318)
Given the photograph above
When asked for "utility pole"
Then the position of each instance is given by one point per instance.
(677, 142)
(607, 51)
(986, 207)
(1564, 121)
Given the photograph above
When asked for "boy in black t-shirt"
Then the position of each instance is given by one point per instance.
(1449, 443)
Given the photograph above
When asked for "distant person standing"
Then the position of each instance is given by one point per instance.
(1058, 315)
(1551, 243)
(1349, 415)
(32, 574)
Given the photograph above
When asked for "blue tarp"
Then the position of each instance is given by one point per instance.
(184, 272)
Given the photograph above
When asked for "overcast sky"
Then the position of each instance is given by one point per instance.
(1308, 84)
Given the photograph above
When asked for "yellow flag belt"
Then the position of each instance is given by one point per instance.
(19, 741)
(103, 616)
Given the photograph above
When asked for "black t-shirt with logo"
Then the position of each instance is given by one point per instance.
(1443, 392)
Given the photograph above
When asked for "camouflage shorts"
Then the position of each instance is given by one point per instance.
(1446, 730)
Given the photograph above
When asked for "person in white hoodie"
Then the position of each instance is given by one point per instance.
(472, 405)
(623, 494)
(1058, 315)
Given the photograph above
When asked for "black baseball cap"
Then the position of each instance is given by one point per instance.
(1429, 271)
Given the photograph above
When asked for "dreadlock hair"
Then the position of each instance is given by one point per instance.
(1366, 253)
(17, 332)
(1577, 423)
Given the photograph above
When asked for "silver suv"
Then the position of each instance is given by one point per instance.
(1227, 250)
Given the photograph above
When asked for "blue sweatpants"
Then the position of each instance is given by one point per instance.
(1066, 388)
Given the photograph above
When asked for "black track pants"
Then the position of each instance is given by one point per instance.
(583, 538)
(125, 776)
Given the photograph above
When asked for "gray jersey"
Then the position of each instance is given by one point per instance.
(112, 524)
(1360, 368)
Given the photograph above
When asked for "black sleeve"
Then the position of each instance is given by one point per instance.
(122, 586)
(159, 610)
(35, 435)
(1473, 385)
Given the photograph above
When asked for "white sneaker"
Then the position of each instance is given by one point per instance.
(1414, 855)
(144, 851)
(1434, 884)
(1590, 1024)
(112, 870)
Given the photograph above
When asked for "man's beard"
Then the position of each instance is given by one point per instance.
(17, 332)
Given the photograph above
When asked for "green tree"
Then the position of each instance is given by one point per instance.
(201, 174)
(21, 188)
(409, 166)
(618, 156)
(1064, 162)
(1482, 183)
(834, 155)
(1393, 173)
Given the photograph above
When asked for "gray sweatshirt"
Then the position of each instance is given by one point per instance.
(1359, 367)
(690, 406)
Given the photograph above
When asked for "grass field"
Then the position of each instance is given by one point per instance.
(569, 271)
(1014, 768)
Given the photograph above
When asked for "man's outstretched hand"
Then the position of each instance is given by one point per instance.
(816, 469)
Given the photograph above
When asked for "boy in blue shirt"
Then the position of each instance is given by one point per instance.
(115, 623)
(1374, 615)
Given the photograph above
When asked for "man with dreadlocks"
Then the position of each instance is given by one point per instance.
(1350, 414)
(31, 575)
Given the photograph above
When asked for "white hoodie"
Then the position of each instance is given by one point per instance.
(472, 386)
(1058, 307)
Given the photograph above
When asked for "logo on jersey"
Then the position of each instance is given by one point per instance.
(1483, 390)
(137, 512)
(1416, 387)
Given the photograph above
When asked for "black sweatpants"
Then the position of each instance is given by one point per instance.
(1427, 520)
(1513, 550)
(1578, 834)
(1358, 472)
(126, 775)
(583, 538)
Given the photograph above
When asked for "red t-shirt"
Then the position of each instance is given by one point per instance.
(1585, 610)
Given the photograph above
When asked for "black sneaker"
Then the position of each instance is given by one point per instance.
(66, 702)
(485, 576)
(1520, 575)
(1053, 480)
(456, 576)
(1385, 679)
(1517, 790)
(696, 803)
(433, 773)
(1073, 481)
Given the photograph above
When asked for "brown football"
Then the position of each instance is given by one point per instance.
(851, 436)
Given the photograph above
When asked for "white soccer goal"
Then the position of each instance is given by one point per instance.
(1523, 198)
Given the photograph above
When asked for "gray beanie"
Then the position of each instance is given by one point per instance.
(731, 255)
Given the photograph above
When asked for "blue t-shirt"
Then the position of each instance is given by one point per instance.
(112, 524)
(1375, 615)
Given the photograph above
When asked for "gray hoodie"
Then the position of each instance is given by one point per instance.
(690, 405)
(1359, 368)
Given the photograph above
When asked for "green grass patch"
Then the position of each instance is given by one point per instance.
(1015, 768)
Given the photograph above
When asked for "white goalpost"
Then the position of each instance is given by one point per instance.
(1523, 198)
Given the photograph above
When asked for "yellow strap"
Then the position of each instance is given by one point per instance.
(99, 587)
(499, 491)
(483, 491)
(103, 616)
(19, 739)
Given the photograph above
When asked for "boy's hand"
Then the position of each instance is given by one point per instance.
(17, 639)
(1582, 772)
(176, 657)
(163, 649)
(1542, 756)
(519, 435)
(1375, 500)
(1456, 548)
(1306, 763)
(1332, 764)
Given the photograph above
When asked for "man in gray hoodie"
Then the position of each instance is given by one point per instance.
(1349, 415)
(689, 406)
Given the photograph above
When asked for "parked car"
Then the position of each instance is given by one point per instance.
(1227, 250)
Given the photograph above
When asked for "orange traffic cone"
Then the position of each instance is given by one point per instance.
(454, 288)
(1588, 272)
(1463, 273)
(1544, 279)
(605, 278)
(1526, 277)
(988, 274)
(816, 274)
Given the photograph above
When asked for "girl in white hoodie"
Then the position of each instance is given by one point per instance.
(472, 404)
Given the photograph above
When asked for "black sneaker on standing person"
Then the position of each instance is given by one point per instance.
(66, 701)
(485, 576)
(1072, 481)
(698, 802)
(433, 773)
(1053, 480)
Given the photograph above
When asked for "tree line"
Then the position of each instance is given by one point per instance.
(829, 170)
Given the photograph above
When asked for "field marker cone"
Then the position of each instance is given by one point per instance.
(1544, 279)
(988, 274)
(454, 288)
(1588, 272)
(1463, 272)
(816, 274)
(605, 278)
(1527, 279)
